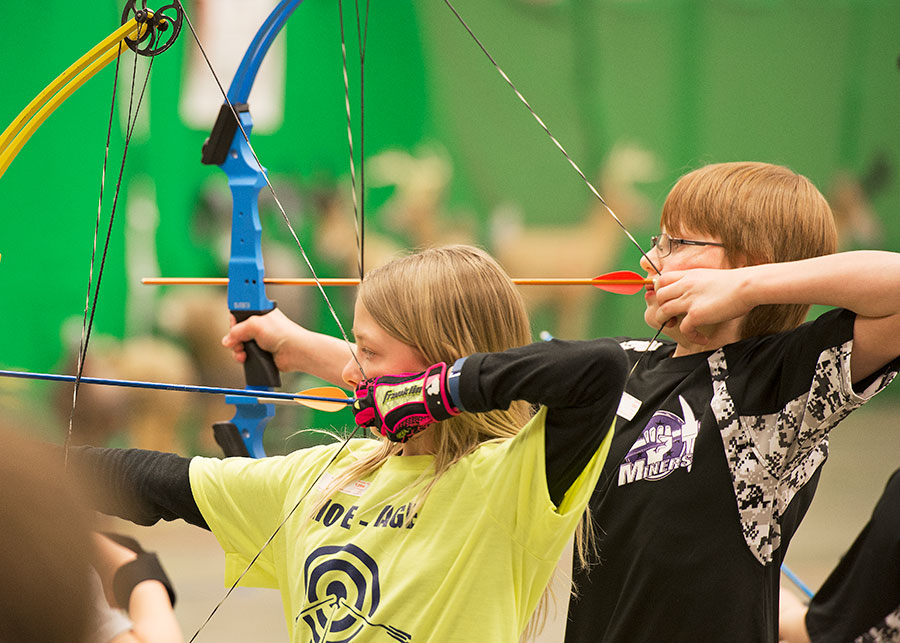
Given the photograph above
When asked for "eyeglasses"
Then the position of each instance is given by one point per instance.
(665, 244)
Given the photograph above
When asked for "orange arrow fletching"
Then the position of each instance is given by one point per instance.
(337, 399)
(322, 405)
(621, 282)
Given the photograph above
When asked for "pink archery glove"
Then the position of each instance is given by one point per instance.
(401, 406)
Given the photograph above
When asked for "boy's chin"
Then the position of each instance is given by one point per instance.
(650, 320)
(670, 331)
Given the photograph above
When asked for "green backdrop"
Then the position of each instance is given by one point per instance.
(812, 84)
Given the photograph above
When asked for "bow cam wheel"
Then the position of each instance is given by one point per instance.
(162, 27)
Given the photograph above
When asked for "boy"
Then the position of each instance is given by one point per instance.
(721, 431)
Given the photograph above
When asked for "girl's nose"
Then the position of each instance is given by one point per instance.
(351, 374)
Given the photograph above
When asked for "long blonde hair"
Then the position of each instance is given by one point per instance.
(446, 302)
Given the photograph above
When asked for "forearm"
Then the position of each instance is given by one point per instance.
(556, 374)
(141, 486)
(863, 281)
(151, 614)
(317, 354)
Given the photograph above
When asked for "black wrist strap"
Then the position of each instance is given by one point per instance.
(145, 567)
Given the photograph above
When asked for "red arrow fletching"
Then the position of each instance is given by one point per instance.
(621, 282)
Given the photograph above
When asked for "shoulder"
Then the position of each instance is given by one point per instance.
(274, 465)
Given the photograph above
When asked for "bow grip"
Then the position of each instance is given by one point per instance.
(259, 367)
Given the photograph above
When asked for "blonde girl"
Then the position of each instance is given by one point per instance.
(448, 524)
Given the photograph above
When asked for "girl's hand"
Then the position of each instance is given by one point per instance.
(400, 406)
(293, 347)
(271, 331)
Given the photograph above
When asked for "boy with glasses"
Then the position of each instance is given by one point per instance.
(722, 430)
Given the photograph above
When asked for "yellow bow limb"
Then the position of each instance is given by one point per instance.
(36, 112)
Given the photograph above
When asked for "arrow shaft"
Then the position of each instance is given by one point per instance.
(185, 388)
(284, 281)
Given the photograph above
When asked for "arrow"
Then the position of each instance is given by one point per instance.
(623, 282)
(322, 398)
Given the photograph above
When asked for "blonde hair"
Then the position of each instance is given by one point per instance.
(449, 302)
(762, 213)
(446, 302)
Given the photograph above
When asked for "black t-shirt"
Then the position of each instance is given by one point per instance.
(860, 600)
(713, 465)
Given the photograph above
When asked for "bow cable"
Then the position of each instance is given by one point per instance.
(90, 304)
(571, 161)
(550, 134)
(359, 195)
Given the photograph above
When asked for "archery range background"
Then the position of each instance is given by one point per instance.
(639, 91)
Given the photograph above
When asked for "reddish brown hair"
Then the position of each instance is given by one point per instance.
(762, 213)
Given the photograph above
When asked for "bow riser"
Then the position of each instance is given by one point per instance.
(247, 296)
(246, 288)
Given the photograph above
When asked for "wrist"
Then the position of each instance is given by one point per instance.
(144, 567)
(436, 393)
(453, 384)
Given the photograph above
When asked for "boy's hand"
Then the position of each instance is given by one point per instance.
(400, 406)
(700, 300)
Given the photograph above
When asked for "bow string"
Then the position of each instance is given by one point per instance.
(230, 148)
(144, 32)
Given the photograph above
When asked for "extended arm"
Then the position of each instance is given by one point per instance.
(141, 486)
(864, 281)
(294, 347)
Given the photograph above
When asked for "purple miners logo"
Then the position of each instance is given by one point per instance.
(666, 444)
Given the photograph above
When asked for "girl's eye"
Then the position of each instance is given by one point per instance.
(367, 352)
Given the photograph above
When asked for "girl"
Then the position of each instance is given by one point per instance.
(446, 526)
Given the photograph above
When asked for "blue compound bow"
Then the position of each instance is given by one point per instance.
(228, 146)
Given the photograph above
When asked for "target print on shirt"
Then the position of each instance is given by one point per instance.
(342, 594)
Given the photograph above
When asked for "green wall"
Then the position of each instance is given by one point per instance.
(811, 84)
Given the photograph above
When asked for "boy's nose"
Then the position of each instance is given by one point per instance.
(654, 257)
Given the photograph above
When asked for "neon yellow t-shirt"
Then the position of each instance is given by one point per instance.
(471, 566)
